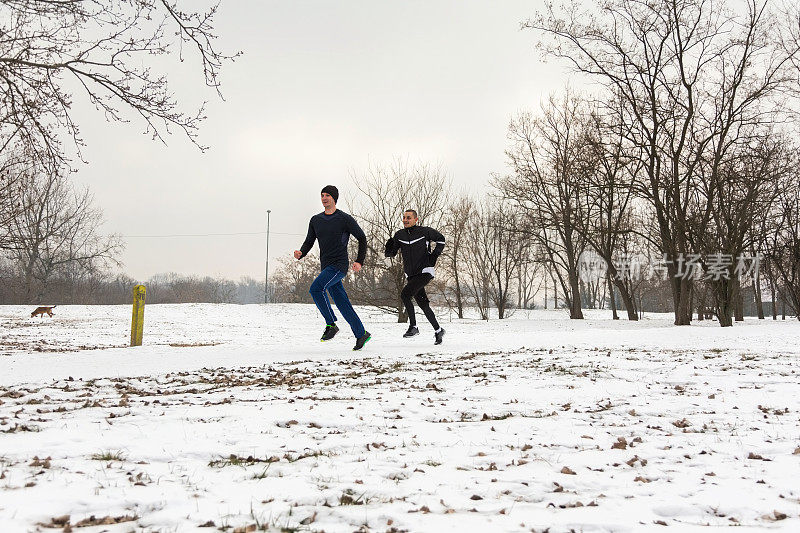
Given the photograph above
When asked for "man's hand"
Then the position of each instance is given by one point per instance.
(356, 267)
(298, 254)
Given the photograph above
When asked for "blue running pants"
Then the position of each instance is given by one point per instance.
(330, 281)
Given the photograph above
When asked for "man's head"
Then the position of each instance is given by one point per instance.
(329, 195)
(409, 218)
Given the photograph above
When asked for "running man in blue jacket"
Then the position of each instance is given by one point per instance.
(332, 229)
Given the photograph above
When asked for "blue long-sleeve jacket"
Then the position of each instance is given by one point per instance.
(332, 232)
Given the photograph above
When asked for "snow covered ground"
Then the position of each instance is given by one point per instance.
(237, 418)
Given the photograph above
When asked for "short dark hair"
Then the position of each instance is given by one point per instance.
(411, 211)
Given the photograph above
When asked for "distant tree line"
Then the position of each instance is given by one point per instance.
(106, 287)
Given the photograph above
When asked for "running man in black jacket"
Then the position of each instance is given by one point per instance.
(332, 229)
(418, 262)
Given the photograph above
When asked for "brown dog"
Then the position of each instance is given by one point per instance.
(42, 310)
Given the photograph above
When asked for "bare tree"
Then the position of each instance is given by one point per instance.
(176, 288)
(13, 166)
(104, 49)
(57, 229)
(251, 291)
(476, 266)
(746, 182)
(544, 157)
(781, 247)
(293, 279)
(530, 276)
(496, 251)
(607, 193)
(456, 227)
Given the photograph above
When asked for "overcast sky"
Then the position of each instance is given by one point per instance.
(322, 89)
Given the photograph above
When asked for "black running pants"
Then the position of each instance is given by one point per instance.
(416, 289)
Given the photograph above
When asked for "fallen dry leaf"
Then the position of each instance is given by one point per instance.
(570, 505)
(682, 423)
(757, 457)
(621, 444)
(105, 521)
(60, 520)
(632, 461)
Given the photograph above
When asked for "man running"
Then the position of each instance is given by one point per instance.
(332, 229)
(418, 262)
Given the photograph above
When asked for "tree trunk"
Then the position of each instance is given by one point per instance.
(738, 300)
(402, 317)
(724, 316)
(28, 287)
(774, 303)
(612, 299)
(545, 291)
(757, 291)
(682, 298)
(581, 292)
(724, 295)
(459, 296)
(627, 299)
(29, 266)
(701, 305)
(575, 311)
(555, 294)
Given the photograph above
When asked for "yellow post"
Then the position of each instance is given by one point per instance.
(137, 321)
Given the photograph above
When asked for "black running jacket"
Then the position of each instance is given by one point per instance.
(414, 245)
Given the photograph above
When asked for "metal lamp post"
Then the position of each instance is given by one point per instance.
(266, 276)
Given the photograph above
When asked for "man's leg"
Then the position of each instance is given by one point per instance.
(328, 277)
(345, 307)
(425, 304)
(406, 295)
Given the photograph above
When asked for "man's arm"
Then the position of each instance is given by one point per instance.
(437, 238)
(309, 242)
(355, 230)
(392, 247)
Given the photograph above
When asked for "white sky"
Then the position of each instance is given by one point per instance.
(322, 89)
